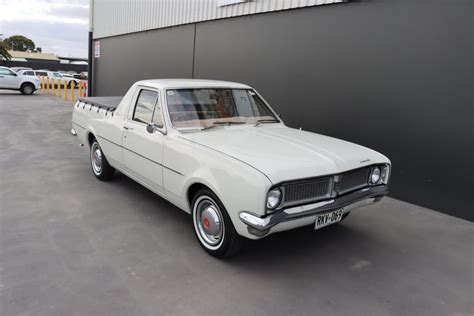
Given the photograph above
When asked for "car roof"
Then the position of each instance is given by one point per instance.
(191, 83)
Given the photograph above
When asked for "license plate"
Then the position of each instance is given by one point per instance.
(327, 219)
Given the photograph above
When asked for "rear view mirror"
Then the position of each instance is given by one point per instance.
(152, 127)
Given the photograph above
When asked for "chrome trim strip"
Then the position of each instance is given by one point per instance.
(304, 208)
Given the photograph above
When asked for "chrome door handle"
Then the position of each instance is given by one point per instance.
(128, 128)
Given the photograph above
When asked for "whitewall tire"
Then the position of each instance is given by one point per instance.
(99, 164)
(212, 225)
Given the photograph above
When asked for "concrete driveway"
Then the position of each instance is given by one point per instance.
(72, 245)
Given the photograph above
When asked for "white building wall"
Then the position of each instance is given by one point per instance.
(115, 17)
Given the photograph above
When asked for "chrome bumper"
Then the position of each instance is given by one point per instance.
(260, 226)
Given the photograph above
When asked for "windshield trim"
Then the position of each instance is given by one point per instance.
(200, 128)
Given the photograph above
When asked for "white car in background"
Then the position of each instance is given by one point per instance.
(218, 151)
(9, 80)
(55, 75)
(18, 69)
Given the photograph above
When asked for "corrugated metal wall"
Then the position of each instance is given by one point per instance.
(115, 17)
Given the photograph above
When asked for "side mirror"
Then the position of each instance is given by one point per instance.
(152, 127)
(279, 115)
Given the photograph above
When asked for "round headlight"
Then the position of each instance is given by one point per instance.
(384, 173)
(375, 175)
(273, 198)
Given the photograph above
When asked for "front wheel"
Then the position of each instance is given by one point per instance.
(100, 166)
(213, 226)
(27, 88)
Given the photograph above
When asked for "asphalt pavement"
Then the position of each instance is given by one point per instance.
(73, 245)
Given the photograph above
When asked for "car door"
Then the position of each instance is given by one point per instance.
(142, 150)
(8, 79)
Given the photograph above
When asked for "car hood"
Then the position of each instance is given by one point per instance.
(283, 153)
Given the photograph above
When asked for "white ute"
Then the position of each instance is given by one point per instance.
(218, 151)
(10, 80)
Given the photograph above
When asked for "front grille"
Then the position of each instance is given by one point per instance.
(316, 189)
(311, 189)
(354, 180)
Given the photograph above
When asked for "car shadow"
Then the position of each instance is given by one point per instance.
(8, 92)
(297, 244)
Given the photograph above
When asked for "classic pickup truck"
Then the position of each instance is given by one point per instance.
(218, 151)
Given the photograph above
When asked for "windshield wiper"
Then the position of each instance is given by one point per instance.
(228, 123)
(266, 121)
(214, 124)
(207, 127)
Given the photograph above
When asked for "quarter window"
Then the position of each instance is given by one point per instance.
(144, 107)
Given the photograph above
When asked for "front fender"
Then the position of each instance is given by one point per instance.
(237, 185)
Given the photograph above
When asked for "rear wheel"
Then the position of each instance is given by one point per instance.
(27, 88)
(213, 226)
(100, 166)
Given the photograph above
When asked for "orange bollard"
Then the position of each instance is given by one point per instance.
(80, 89)
(73, 89)
(65, 91)
(58, 90)
(42, 84)
(51, 86)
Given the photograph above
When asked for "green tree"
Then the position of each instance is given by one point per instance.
(4, 51)
(19, 43)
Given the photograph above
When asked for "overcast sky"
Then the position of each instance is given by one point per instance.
(57, 26)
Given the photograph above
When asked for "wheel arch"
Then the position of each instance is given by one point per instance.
(27, 83)
(193, 188)
(90, 136)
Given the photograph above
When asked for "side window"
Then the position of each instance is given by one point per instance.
(41, 73)
(158, 115)
(144, 107)
(29, 73)
(6, 72)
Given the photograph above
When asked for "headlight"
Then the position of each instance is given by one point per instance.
(385, 173)
(375, 175)
(273, 198)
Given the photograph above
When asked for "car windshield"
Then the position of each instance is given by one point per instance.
(203, 108)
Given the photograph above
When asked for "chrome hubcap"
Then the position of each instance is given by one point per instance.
(208, 221)
(28, 90)
(96, 158)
